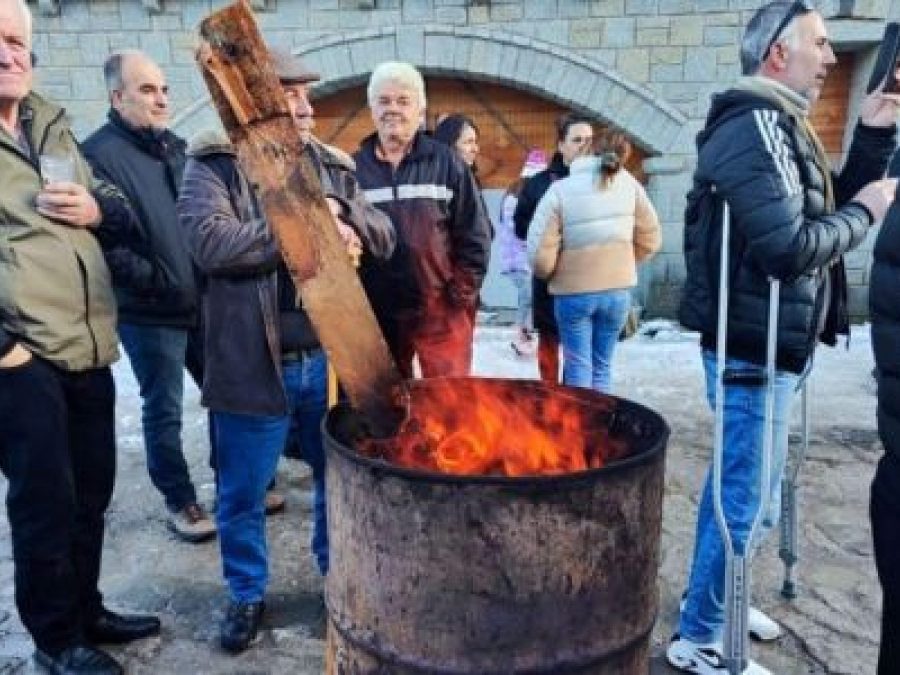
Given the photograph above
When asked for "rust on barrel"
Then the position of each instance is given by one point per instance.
(466, 574)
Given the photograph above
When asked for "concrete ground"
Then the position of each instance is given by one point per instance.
(832, 627)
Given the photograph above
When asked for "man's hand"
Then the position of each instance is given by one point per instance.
(878, 196)
(348, 234)
(69, 203)
(351, 241)
(879, 109)
(17, 356)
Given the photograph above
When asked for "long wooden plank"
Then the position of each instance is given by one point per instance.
(237, 68)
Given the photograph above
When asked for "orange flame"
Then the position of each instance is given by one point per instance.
(471, 426)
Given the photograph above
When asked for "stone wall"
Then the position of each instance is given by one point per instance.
(648, 66)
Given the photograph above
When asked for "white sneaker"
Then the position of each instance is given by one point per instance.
(760, 626)
(704, 659)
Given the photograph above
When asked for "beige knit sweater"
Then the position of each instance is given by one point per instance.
(585, 237)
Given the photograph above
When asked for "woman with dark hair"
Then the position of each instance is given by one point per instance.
(588, 233)
(460, 133)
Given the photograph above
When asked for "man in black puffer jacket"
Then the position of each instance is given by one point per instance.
(791, 220)
(884, 305)
(153, 276)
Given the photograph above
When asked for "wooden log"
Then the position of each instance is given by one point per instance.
(236, 65)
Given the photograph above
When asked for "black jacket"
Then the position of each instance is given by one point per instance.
(884, 307)
(154, 278)
(234, 247)
(751, 155)
(443, 232)
(533, 191)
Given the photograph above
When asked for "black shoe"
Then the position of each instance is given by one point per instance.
(81, 660)
(240, 625)
(116, 629)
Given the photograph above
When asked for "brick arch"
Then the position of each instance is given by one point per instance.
(496, 56)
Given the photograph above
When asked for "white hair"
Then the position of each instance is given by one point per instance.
(399, 73)
(26, 15)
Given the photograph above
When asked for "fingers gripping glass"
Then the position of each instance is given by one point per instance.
(799, 7)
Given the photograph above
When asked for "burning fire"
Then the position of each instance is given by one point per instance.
(471, 426)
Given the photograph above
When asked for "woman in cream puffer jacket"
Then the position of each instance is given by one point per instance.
(588, 234)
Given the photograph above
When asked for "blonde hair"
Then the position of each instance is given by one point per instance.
(400, 73)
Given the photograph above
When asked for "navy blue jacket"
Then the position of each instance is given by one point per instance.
(154, 279)
(884, 307)
(443, 232)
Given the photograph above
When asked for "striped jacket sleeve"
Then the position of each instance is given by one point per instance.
(754, 166)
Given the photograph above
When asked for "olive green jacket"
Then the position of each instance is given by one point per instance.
(56, 297)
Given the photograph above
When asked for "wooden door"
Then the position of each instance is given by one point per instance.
(510, 122)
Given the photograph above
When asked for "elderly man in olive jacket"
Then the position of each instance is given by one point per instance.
(57, 340)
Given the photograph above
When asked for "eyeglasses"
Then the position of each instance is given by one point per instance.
(799, 7)
(578, 140)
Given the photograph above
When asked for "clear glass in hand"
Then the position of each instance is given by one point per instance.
(57, 168)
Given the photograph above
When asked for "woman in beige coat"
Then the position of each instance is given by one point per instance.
(588, 234)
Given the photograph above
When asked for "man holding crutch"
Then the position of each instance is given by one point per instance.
(791, 219)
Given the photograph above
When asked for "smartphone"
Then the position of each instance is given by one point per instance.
(888, 61)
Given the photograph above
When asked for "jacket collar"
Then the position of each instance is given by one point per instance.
(421, 147)
(155, 142)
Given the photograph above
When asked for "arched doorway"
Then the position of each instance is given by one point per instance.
(510, 121)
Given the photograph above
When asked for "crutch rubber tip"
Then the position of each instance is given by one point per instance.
(789, 590)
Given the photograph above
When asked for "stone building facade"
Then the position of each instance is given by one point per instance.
(645, 66)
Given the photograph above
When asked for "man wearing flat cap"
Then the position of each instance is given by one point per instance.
(265, 371)
(792, 220)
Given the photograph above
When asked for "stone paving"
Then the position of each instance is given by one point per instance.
(832, 627)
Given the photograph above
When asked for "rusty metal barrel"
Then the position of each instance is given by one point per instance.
(464, 575)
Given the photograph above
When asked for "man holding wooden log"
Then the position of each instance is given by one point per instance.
(425, 297)
(265, 370)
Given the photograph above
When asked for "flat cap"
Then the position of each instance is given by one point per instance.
(290, 68)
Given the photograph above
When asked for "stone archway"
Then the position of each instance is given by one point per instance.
(496, 56)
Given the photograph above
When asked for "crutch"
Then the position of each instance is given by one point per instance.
(787, 548)
(737, 568)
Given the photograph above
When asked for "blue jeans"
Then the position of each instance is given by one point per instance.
(704, 611)
(306, 382)
(247, 451)
(589, 327)
(157, 356)
(248, 448)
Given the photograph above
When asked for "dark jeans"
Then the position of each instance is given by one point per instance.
(157, 355)
(885, 514)
(544, 318)
(58, 452)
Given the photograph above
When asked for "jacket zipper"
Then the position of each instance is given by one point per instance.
(87, 310)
